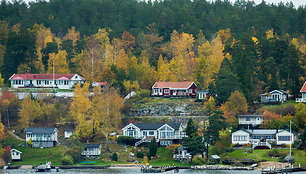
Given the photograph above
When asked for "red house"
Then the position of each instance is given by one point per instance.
(172, 89)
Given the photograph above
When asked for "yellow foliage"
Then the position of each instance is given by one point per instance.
(2, 131)
(270, 34)
(72, 35)
(60, 63)
(1, 81)
(255, 40)
(30, 110)
(80, 108)
(131, 86)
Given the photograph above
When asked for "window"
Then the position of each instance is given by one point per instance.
(240, 138)
(38, 82)
(131, 132)
(144, 133)
(190, 90)
(166, 90)
(247, 119)
(166, 133)
(255, 137)
(151, 132)
(165, 143)
(284, 138)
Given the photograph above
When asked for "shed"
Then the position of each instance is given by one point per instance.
(15, 154)
(214, 159)
(68, 133)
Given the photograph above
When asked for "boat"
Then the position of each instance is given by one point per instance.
(43, 167)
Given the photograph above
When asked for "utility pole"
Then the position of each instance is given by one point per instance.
(107, 115)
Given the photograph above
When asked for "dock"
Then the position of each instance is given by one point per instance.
(159, 169)
(282, 170)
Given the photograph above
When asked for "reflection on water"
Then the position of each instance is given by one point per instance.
(125, 171)
(130, 171)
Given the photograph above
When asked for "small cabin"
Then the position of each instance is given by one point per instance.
(214, 159)
(16, 155)
(182, 155)
(68, 133)
(92, 150)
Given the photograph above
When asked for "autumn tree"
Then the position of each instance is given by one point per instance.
(29, 110)
(271, 120)
(2, 131)
(234, 106)
(106, 110)
(59, 62)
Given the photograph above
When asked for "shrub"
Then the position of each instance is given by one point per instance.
(153, 147)
(139, 154)
(274, 153)
(67, 160)
(173, 147)
(114, 157)
(30, 142)
(125, 140)
(198, 160)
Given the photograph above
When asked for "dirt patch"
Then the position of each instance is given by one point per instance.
(2, 162)
(272, 164)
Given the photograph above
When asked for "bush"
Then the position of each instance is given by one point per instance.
(274, 153)
(139, 154)
(125, 140)
(30, 142)
(114, 157)
(153, 147)
(67, 160)
(198, 160)
(173, 147)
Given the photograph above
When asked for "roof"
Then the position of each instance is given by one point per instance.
(249, 116)
(41, 130)
(155, 126)
(262, 131)
(15, 150)
(181, 148)
(215, 156)
(173, 85)
(92, 145)
(43, 76)
(303, 89)
(68, 130)
(279, 91)
(99, 83)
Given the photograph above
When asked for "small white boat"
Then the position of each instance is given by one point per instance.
(43, 167)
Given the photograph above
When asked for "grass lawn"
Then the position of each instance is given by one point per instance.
(166, 158)
(257, 155)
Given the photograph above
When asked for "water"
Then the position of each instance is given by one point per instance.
(130, 171)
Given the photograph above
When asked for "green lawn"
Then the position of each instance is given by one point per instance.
(166, 158)
(257, 155)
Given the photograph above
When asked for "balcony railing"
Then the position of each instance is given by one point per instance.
(299, 100)
(179, 157)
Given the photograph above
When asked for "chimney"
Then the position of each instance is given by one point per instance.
(27, 72)
(185, 80)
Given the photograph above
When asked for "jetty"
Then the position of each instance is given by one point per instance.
(150, 169)
(282, 170)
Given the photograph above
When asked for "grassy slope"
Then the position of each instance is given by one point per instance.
(166, 158)
(257, 155)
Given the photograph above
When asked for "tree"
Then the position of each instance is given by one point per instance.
(153, 147)
(1, 81)
(74, 148)
(191, 130)
(300, 115)
(59, 62)
(235, 105)
(2, 132)
(271, 120)
(29, 111)
(194, 145)
(106, 110)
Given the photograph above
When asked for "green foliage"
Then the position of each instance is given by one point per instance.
(125, 140)
(196, 160)
(30, 142)
(139, 154)
(114, 157)
(190, 130)
(194, 145)
(73, 148)
(67, 160)
(153, 147)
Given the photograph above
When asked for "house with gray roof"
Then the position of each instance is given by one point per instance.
(92, 150)
(262, 138)
(274, 96)
(249, 121)
(42, 137)
(164, 133)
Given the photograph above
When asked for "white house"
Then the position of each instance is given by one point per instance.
(15, 154)
(261, 138)
(42, 137)
(172, 89)
(60, 81)
(203, 94)
(92, 150)
(182, 154)
(303, 91)
(274, 96)
(249, 121)
(165, 133)
(68, 133)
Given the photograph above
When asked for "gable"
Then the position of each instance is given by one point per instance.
(240, 132)
(131, 125)
(303, 89)
(166, 125)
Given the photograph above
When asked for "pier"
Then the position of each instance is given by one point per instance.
(159, 169)
(282, 170)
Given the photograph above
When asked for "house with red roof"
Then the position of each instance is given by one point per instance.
(303, 91)
(59, 81)
(173, 89)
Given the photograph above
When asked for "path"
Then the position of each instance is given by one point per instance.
(16, 136)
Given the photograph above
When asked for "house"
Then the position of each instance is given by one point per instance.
(274, 96)
(99, 84)
(92, 150)
(182, 155)
(214, 159)
(249, 121)
(42, 137)
(164, 133)
(60, 81)
(261, 138)
(303, 91)
(15, 154)
(174, 89)
(203, 95)
(68, 133)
